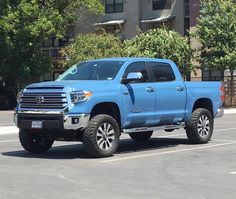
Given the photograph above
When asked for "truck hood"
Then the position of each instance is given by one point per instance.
(72, 85)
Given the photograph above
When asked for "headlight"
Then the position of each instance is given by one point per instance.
(80, 96)
(19, 96)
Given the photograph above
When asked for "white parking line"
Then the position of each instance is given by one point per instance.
(167, 152)
(230, 129)
(5, 124)
(217, 140)
(5, 130)
(173, 135)
(233, 173)
(7, 141)
(183, 134)
(61, 176)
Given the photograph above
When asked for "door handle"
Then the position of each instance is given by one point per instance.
(150, 89)
(179, 88)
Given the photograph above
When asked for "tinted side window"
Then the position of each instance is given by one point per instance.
(137, 67)
(162, 72)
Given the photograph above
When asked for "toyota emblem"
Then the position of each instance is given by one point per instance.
(39, 99)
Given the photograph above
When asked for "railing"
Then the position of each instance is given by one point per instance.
(230, 96)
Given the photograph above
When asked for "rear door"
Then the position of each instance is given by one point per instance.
(138, 98)
(170, 94)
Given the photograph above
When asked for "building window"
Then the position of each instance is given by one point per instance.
(63, 42)
(161, 4)
(112, 29)
(60, 42)
(186, 26)
(113, 6)
(186, 8)
(212, 75)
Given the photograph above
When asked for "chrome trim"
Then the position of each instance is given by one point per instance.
(67, 118)
(105, 136)
(41, 111)
(220, 112)
(203, 126)
(83, 121)
(43, 100)
(141, 129)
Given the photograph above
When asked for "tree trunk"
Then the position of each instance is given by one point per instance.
(231, 86)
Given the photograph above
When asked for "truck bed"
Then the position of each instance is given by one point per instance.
(208, 90)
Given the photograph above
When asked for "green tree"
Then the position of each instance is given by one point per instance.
(24, 25)
(93, 46)
(216, 31)
(162, 43)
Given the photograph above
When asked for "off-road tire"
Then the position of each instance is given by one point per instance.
(193, 126)
(141, 136)
(34, 143)
(91, 133)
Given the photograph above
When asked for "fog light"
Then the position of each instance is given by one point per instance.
(75, 120)
(66, 118)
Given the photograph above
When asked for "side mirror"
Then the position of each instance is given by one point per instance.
(133, 77)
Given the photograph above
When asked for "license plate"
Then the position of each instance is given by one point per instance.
(37, 124)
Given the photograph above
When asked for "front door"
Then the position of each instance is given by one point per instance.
(138, 98)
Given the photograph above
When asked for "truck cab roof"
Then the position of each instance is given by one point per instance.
(129, 59)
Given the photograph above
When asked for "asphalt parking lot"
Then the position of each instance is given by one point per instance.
(165, 167)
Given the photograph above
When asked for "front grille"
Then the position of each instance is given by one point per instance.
(43, 100)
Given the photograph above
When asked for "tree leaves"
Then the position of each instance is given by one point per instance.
(162, 43)
(216, 31)
(93, 46)
(24, 25)
(159, 43)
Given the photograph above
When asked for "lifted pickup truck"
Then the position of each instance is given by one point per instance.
(95, 101)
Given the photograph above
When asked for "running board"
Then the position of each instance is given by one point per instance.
(141, 129)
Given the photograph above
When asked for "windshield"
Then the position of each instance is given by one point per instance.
(94, 70)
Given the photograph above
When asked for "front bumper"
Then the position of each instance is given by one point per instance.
(220, 112)
(52, 120)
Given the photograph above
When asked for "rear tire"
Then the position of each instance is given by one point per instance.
(199, 128)
(101, 136)
(141, 136)
(34, 143)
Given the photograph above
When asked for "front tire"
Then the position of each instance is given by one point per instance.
(200, 127)
(141, 136)
(34, 143)
(101, 136)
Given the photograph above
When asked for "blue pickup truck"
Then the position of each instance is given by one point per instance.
(95, 101)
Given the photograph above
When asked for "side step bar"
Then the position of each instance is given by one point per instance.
(141, 129)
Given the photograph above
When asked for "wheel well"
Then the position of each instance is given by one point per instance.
(109, 108)
(204, 103)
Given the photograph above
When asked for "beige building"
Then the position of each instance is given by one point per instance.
(127, 17)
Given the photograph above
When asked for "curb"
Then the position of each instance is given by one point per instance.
(230, 111)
